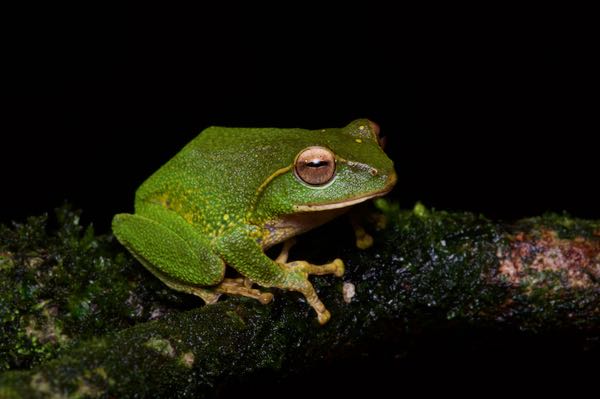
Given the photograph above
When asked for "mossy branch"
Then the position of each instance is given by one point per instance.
(79, 318)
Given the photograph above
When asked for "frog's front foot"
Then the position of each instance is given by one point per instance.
(297, 280)
(336, 267)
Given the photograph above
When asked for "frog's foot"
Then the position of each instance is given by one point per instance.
(208, 295)
(297, 280)
(336, 267)
(242, 286)
(363, 239)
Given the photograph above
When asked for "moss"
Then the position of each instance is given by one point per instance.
(161, 345)
(119, 332)
(65, 284)
(442, 261)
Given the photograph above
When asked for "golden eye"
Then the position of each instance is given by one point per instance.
(315, 166)
(380, 139)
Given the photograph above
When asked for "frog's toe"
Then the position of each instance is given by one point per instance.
(339, 267)
(241, 286)
(324, 316)
(364, 241)
(208, 296)
(265, 298)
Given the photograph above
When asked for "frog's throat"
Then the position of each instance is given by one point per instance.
(340, 204)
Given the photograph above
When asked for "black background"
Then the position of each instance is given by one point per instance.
(487, 110)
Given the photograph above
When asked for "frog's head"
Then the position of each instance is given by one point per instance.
(330, 169)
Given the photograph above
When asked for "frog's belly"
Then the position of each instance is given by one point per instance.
(289, 226)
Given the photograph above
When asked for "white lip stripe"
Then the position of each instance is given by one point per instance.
(336, 205)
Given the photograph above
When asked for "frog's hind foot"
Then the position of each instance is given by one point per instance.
(243, 287)
(363, 239)
(208, 295)
(231, 286)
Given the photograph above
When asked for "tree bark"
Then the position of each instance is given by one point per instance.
(428, 270)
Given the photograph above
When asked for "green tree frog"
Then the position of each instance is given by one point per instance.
(231, 193)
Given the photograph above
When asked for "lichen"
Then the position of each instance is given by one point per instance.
(575, 262)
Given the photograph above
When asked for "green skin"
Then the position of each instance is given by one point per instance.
(231, 193)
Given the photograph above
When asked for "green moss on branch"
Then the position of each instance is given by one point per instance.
(79, 317)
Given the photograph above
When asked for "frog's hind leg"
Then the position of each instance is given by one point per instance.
(243, 287)
(208, 295)
(231, 286)
(172, 251)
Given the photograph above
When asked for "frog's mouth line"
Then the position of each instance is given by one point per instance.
(344, 204)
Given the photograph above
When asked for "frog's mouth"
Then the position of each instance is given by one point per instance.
(343, 204)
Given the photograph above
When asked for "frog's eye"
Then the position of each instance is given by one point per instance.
(380, 139)
(315, 165)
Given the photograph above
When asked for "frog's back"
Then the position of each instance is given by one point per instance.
(212, 182)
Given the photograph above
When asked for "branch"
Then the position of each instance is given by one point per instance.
(81, 318)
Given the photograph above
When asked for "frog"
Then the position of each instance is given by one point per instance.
(232, 193)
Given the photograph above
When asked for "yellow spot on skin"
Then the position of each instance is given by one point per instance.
(358, 140)
(188, 217)
(225, 217)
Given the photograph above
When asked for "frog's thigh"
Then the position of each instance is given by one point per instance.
(175, 254)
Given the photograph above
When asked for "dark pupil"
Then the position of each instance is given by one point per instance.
(316, 163)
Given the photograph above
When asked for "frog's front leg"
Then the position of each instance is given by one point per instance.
(336, 267)
(285, 250)
(241, 249)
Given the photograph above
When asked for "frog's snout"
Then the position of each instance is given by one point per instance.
(392, 179)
